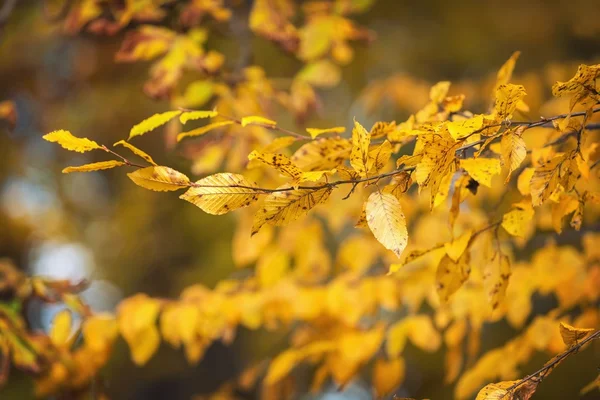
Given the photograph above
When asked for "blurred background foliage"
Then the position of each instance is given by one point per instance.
(126, 240)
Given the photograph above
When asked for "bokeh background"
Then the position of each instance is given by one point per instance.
(126, 239)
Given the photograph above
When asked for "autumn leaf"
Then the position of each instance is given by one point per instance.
(220, 193)
(451, 275)
(194, 115)
(159, 178)
(457, 247)
(100, 331)
(481, 169)
(152, 123)
(387, 375)
(136, 318)
(571, 335)
(322, 154)
(61, 328)
(505, 72)
(203, 129)
(97, 166)
(314, 132)
(380, 155)
(359, 156)
(517, 221)
(545, 180)
(256, 120)
(278, 161)
(497, 274)
(386, 220)
(70, 142)
(282, 365)
(135, 151)
(507, 99)
(463, 128)
(514, 150)
(283, 207)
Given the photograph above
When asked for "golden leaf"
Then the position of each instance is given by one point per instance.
(194, 115)
(496, 278)
(517, 221)
(220, 193)
(272, 266)
(316, 132)
(283, 207)
(322, 154)
(161, 179)
(387, 375)
(466, 127)
(100, 331)
(136, 151)
(359, 156)
(282, 365)
(482, 169)
(571, 335)
(256, 120)
(203, 129)
(61, 328)
(514, 150)
(505, 72)
(497, 391)
(97, 166)
(545, 180)
(380, 155)
(507, 99)
(524, 180)
(152, 123)
(386, 220)
(278, 161)
(70, 142)
(137, 323)
(451, 275)
(457, 247)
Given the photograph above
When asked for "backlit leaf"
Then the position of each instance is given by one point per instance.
(70, 142)
(386, 220)
(517, 221)
(61, 328)
(152, 123)
(97, 166)
(316, 132)
(514, 150)
(136, 151)
(507, 99)
(359, 157)
(482, 169)
(220, 193)
(194, 115)
(256, 120)
(462, 128)
(451, 275)
(322, 154)
(203, 129)
(571, 335)
(159, 178)
(388, 375)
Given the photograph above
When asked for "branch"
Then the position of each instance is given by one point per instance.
(541, 373)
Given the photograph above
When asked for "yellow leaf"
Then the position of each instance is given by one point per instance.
(380, 155)
(136, 151)
(571, 335)
(322, 73)
(203, 129)
(282, 365)
(514, 150)
(505, 73)
(463, 128)
(524, 180)
(322, 154)
(61, 328)
(256, 120)
(496, 278)
(283, 207)
(161, 179)
(457, 247)
(516, 222)
(565, 206)
(507, 99)
(70, 142)
(316, 132)
(278, 144)
(314, 176)
(278, 161)
(451, 275)
(387, 375)
(220, 193)
(272, 266)
(97, 166)
(482, 169)
(359, 156)
(100, 331)
(496, 391)
(386, 220)
(544, 180)
(152, 123)
(194, 115)
(137, 324)
(381, 129)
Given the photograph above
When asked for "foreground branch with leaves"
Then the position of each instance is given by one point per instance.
(423, 231)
